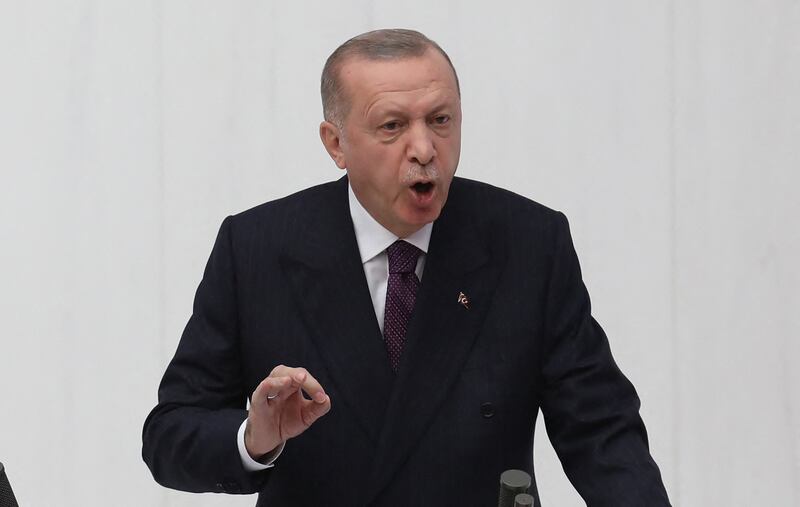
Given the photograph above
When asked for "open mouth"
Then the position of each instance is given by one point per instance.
(422, 187)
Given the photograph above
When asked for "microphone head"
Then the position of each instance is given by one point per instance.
(523, 500)
(512, 483)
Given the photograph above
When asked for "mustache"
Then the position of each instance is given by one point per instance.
(417, 172)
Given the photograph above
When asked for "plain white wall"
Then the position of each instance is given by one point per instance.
(667, 131)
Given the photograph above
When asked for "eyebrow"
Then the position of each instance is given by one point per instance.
(396, 110)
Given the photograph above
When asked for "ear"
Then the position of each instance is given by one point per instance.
(332, 140)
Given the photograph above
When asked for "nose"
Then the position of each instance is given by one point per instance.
(421, 149)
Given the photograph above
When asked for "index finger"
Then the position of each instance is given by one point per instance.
(302, 378)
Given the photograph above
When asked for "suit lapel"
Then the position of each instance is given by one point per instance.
(330, 287)
(440, 335)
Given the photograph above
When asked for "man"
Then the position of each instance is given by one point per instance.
(426, 318)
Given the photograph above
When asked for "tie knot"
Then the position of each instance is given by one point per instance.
(402, 257)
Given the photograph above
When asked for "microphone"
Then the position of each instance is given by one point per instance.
(512, 484)
(7, 498)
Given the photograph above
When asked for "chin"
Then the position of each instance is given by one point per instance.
(419, 219)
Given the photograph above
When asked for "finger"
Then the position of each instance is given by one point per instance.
(287, 388)
(282, 388)
(306, 381)
(269, 388)
(313, 411)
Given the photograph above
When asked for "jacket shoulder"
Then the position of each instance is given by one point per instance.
(499, 206)
(286, 214)
(310, 197)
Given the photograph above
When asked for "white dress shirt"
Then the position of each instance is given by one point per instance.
(372, 239)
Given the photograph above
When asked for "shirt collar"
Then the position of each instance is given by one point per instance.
(373, 238)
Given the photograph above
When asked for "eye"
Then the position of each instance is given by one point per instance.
(391, 126)
(441, 119)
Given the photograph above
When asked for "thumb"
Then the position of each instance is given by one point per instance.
(314, 410)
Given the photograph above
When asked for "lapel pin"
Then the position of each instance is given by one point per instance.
(462, 298)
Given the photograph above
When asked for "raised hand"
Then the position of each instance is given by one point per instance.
(279, 411)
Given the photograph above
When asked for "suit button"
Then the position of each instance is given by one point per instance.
(220, 487)
(487, 410)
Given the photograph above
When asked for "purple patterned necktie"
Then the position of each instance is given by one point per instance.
(401, 292)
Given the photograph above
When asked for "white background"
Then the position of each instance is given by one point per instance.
(668, 131)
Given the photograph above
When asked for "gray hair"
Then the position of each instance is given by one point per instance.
(387, 44)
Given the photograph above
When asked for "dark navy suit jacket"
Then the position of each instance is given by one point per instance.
(285, 285)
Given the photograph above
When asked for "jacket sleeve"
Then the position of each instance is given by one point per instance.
(591, 410)
(189, 438)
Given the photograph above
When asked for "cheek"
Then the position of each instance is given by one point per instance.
(389, 166)
(450, 146)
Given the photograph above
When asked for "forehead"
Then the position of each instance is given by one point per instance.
(367, 81)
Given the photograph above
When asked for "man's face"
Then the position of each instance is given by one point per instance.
(401, 138)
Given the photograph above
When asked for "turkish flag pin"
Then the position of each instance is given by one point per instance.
(462, 298)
